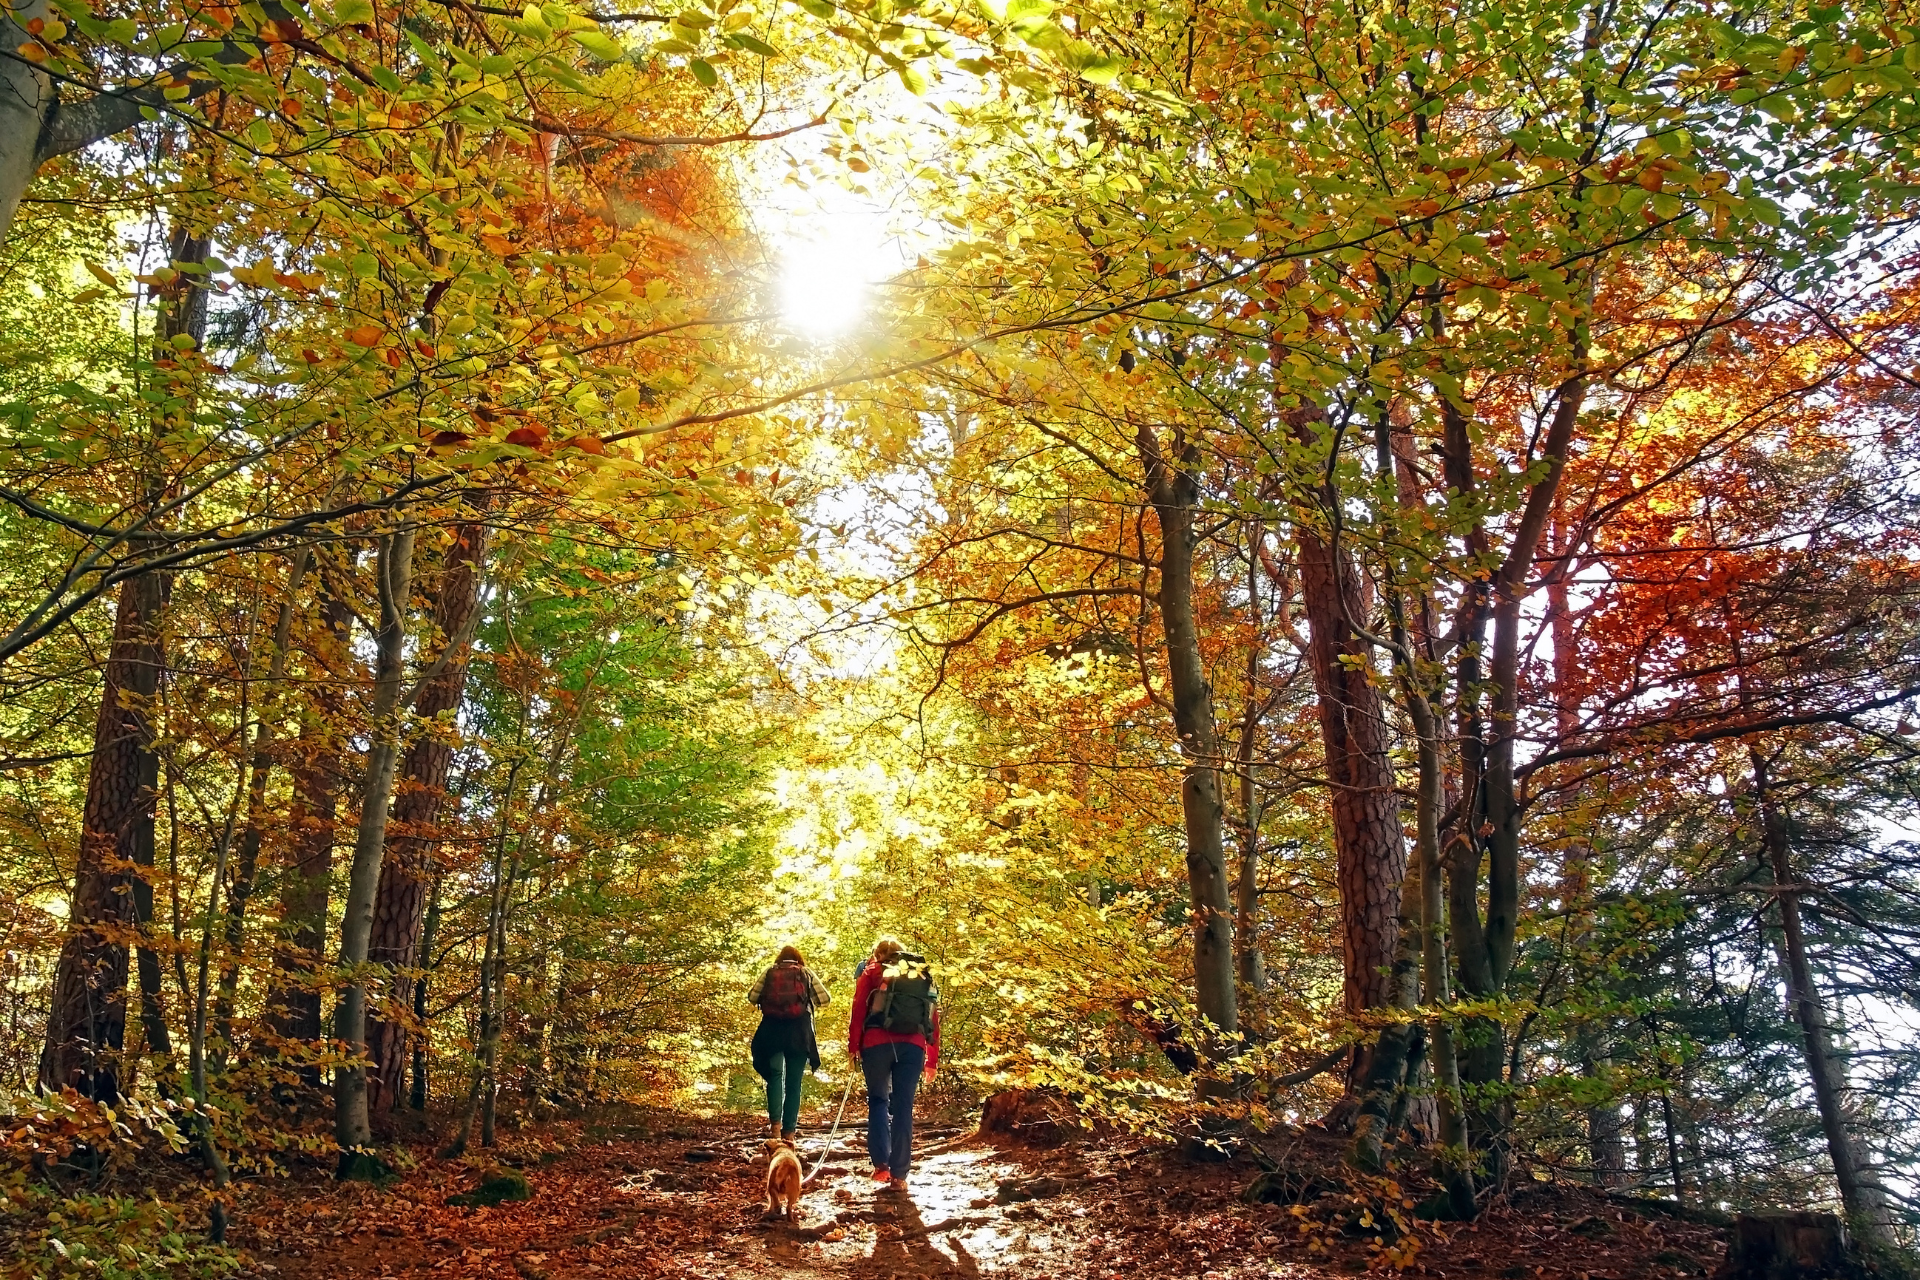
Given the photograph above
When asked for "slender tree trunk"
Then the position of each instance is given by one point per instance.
(413, 833)
(247, 862)
(1174, 491)
(1606, 1151)
(1249, 964)
(210, 1152)
(1860, 1192)
(418, 1099)
(492, 969)
(393, 570)
(294, 1004)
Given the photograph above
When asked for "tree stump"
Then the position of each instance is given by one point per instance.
(1790, 1246)
(1029, 1117)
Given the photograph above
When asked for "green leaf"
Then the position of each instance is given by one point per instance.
(1423, 274)
(818, 8)
(351, 11)
(915, 79)
(671, 45)
(703, 72)
(1102, 69)
(600, 45)
(752, 44)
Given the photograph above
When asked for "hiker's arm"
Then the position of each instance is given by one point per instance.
(820, 998)
(758, 988)
(856, 1016)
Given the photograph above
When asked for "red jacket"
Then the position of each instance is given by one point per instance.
(860, 1035)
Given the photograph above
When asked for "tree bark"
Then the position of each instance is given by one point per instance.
(393, 571)
(1174, 490)
(1860, 1193)
(413, 835)
(294, 1005)
(1249, 964)
(418, 1099)
(1369, 843)
(86, 1024)
(247, 861)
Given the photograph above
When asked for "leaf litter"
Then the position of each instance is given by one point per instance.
(683, 1197)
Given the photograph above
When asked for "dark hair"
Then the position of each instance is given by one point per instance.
(790, 953)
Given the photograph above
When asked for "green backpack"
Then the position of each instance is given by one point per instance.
(904, 1002)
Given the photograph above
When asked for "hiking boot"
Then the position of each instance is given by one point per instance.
(881, 1177)
(790, 1135)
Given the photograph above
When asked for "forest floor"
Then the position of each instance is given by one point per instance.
(651, 1194)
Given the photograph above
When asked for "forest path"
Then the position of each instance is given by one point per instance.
(655, 1194)
(671, 1196)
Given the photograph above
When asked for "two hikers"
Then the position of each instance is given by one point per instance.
(783, 1044)
(894, 1035)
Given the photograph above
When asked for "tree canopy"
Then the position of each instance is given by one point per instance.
(1352, 562)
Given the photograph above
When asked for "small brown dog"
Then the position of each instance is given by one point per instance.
(783, 1178)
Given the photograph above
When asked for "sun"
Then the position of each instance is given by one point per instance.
(827, 274)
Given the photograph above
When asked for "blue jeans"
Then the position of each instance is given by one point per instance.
(786, 1076)
(893, 1077)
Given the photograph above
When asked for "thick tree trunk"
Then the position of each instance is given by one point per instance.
(1369, 844)
(1174, 492)
(393, 571)
(413, 834)
(1860, 1192)
(86, 1025)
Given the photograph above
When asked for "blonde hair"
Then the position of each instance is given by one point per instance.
(887, 948)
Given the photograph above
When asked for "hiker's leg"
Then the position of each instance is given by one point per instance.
(796, 1081)
(776, 1088)
(876, 1064)
(906, 1083)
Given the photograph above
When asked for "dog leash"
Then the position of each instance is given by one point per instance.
(834, 1136)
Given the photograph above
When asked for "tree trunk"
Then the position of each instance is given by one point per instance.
(1369, 844)
(1606, 1151)
(1249, 964)
(1860, 1193)
(87, 1021)
(413, 835)
(86, 1025)
(1174, 491)
(393, 571)
(418, 1099)
(294, 1005)
(247, 863)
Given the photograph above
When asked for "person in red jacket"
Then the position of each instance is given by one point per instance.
(893, 1063)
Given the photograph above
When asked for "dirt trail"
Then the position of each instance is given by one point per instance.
(666, 1196)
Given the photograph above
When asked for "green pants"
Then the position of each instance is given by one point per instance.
(786, 1076)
